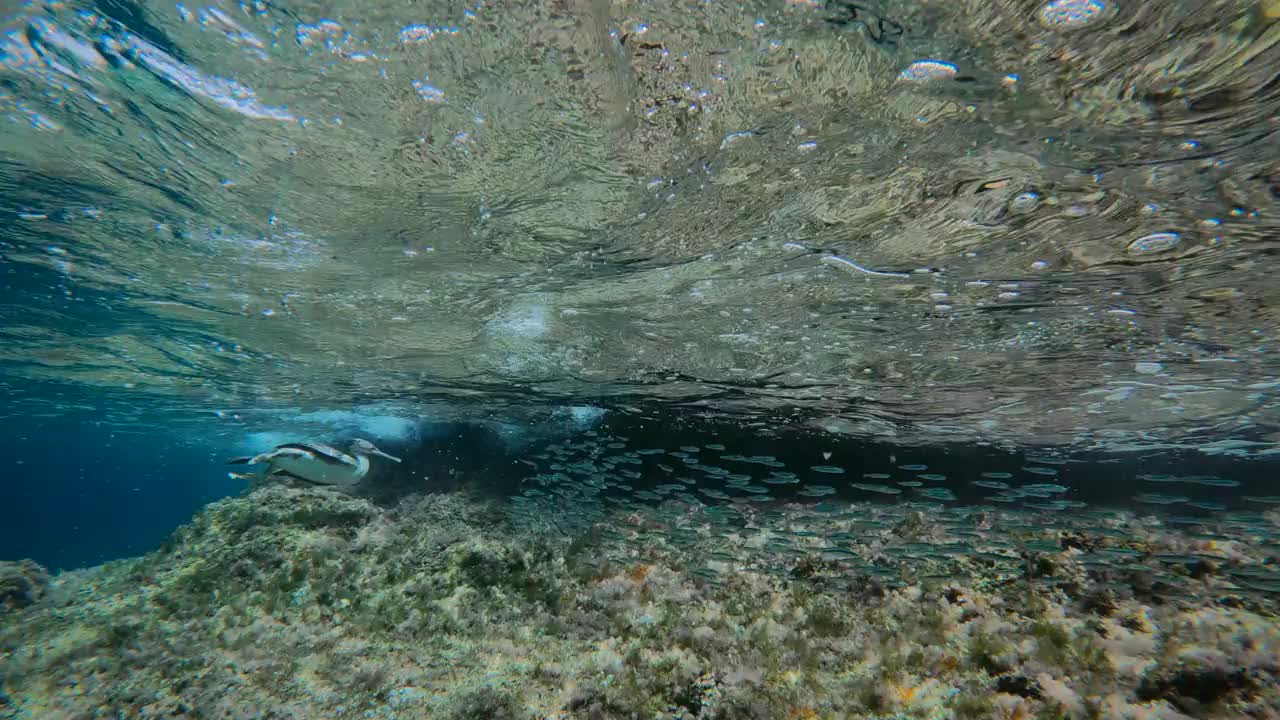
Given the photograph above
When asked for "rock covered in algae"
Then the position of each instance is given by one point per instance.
(301, 603)
(21, 584)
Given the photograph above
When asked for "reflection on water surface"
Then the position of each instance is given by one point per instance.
(1000, 221)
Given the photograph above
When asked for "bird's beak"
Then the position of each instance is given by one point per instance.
(378, 452)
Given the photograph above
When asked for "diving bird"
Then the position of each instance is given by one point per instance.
(314, 464)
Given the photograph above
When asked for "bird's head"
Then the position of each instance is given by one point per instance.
(360, 446)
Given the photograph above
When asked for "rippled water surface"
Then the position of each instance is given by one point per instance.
(1008, 222)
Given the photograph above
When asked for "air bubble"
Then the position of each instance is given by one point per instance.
(1155, 243)
(925, 70)
(1024, 203)
(1071, 14)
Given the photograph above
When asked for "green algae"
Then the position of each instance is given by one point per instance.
(443, 606)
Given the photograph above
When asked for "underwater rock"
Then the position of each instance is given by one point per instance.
(22, 583)
(1203, 568)
(318, 604)
(485, 703)
(1215, 658)
(1019, 685)
(1100, 601)
(1148, 587)
(1195, 685)
(810, 567)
